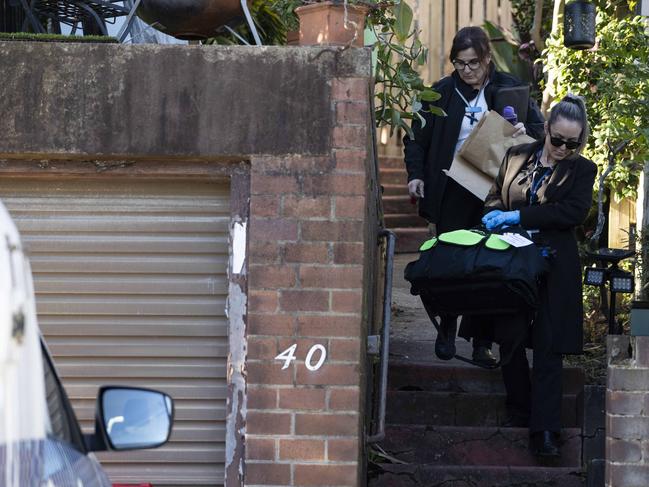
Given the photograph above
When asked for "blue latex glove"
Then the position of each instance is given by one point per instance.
(490, 215)
(504, 218)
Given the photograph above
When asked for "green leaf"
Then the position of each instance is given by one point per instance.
(403, 20)
(436, 111)
(429, 95)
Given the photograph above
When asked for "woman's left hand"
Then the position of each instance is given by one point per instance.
(520, 129)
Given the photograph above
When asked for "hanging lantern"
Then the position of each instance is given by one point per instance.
(579, 25)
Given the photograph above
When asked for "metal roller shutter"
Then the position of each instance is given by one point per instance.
(131, 284)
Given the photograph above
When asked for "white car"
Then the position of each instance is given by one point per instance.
(41, 443)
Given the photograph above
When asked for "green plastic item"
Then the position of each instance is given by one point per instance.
(466, 238)
(496, 243)
(428, 244)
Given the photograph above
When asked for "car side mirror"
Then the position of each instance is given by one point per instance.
(131, 418)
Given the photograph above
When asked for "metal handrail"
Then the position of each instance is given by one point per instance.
(385, 334)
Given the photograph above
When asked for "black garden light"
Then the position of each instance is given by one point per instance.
(579, 25)
(595, 276)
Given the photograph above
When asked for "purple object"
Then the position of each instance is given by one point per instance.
(510, 115)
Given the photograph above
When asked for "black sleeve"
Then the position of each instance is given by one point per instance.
(415, 151)
(535, 121)
(568, 212)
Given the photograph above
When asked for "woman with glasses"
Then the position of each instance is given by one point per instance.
(546, 187)
(466, 95)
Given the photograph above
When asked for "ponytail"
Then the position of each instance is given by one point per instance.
(572, 107)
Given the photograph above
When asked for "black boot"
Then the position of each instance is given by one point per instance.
(545, 444)
(483, 355)
(445, 341)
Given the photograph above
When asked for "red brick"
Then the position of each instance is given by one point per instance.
(330, 374)
(262, 398)
(352, 113)
(301, 398)
(268, 473)
(303, 345)
(350, 207)
(326, 424)
(273, 229)
(304, 300)
(627, 403)
(260, 449)
(342, 450)
(350, 89)
(306, 206)
(348, 253)
(316, 253)
(339, 475)
(349, 137)
(347, 301)
(623, 451)
(346, 184)
(264, 206)
(345, 349)
(262, 348)
(258, 423)
(293, 164)
(351, 160)
(271, 276)
(266, 184)
(344, 399)
(269, 372)
(260, 301)
(302, 450)
(340, 231)
(328, 326)
(263, 252)
(271, 324)
(331, 277)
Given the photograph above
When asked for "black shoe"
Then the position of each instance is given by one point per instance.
(484, 356)
(545, 444)
(445, 341)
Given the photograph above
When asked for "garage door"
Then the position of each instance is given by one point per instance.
(130, 279)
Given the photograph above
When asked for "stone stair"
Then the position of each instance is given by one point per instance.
(443, 422)
(400, 212)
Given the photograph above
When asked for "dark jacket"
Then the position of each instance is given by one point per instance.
(433, 147)
(563, 204)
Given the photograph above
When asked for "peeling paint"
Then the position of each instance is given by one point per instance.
(238, 247)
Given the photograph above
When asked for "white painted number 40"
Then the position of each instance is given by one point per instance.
(288, 356)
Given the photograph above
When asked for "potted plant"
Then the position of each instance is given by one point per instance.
(400, 90)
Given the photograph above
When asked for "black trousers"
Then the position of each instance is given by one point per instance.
(461, 209)
(537, 395)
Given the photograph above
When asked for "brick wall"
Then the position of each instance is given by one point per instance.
(308, 239)
(627, 412)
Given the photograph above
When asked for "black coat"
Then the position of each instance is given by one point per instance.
(433, 148)
(564, 203)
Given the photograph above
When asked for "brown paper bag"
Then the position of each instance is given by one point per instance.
(486, 145)
(469, 177)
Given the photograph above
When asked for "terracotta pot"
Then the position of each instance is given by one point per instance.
(293, 38)
(188, 19)
(323, 24)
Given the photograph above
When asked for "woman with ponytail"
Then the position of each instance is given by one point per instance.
(546, 187)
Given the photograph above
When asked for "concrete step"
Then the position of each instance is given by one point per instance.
(393, 176)
(392, 162)
(450, 445)
(398, 205)
(410, 239)
(405, 220)
(403, 375)
(395, 189)
(478, 476)
(459, 408)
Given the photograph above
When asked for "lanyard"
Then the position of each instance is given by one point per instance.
(471, 110)
(539, 174)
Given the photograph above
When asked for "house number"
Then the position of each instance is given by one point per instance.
(288, 356)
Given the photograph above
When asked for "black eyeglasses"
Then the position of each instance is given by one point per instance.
(460, 65)
(570, 144)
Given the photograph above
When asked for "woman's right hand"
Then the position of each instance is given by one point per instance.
(416, 188)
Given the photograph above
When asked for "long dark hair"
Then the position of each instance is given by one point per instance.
(572, 107)
(471, 37)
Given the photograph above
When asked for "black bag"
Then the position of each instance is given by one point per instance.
(482, 275)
